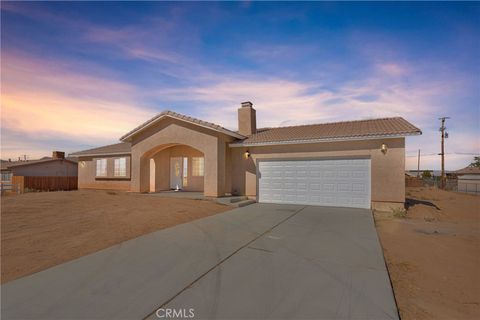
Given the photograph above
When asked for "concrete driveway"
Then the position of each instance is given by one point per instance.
(260, 261)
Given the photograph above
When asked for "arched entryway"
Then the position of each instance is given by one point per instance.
(150, 145)
(176, 167)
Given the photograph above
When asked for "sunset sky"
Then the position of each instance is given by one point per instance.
(80, 75)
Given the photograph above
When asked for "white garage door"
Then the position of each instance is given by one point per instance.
(332, 182)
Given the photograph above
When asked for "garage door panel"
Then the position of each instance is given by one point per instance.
(333, 182)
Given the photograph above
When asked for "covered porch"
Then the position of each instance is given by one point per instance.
(177, 167)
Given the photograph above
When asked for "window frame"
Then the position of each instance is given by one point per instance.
(200, 170)
(117, 168)
(105, 169)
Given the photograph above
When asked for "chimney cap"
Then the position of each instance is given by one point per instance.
(58, 155)
(247, 104)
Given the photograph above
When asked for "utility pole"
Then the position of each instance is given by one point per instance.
(418, 164)
(444, 136)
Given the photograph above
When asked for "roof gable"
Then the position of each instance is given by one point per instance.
(181, 117)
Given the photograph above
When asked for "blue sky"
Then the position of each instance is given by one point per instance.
(79, 75)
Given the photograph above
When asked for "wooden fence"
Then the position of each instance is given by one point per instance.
(413, 182)
(26, 184)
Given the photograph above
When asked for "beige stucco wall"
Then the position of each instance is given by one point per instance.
(87, 174)
(171, 132)
(387, 181)
(55, 168)
(162, 168)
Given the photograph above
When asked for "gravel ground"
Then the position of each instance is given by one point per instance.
(433, 254)
(40, 230)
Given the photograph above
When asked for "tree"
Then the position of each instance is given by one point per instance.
(426, 174)
(475, 163)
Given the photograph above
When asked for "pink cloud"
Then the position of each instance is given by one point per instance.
(393, 69)
(44, 99)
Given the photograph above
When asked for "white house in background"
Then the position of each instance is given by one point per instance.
(469, 180)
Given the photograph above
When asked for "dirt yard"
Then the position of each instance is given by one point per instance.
(433, 254)
(40, 230)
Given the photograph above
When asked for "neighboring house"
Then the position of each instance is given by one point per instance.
(433, 173)
(55, 166)
(349, 164)
(5, 171)
(469, 180)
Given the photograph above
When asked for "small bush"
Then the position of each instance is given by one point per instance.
(399, 213)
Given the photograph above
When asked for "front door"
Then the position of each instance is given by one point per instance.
(176, 172)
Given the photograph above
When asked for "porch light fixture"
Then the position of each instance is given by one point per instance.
(384, 148)
(247, 154)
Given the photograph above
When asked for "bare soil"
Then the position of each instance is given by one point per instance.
(41, 230)
(433, 254)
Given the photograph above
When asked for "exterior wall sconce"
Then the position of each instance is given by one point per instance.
(384, 148)
(246, 154)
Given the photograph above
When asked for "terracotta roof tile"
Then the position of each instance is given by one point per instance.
(118, 148)
(468, 170)
(335, 130)
(182, 117)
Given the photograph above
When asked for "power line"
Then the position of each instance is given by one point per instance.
(446, 153)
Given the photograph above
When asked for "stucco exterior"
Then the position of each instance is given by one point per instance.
(169, 133)
(161, 172)
(387, 180)
(227, 169)
(87, 178)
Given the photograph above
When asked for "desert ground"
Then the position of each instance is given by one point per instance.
(433, 254)
(41, 230)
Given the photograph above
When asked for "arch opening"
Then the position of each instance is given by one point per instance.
(173, 167)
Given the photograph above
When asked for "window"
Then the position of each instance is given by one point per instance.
(120, 167)
(6, 176)
(198, 164)
(185, 172)
(101, 168)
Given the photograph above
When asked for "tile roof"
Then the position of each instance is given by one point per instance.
(333, 131)
(179, 116)
(468, 170)
(118, 148)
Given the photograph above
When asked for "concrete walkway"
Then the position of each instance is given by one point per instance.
(260, 261)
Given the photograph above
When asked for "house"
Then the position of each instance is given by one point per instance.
(469, 180)
(55, 166)
(6, 173)
(349, 164)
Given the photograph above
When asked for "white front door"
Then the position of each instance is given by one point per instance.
(176, 166)
(329, 182)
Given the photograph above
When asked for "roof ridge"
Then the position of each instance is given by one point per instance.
(333, 122)
(181, 116)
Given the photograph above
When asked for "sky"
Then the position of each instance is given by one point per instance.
(80, 75)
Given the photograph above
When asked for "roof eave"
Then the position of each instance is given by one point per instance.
(127, 137)
(306, 141)
(100, 154)
(36, 162)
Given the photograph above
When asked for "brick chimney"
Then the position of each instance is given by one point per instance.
(247, 119)
(58, 155)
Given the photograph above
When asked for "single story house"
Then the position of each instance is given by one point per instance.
(55, 166)
(349, 164)
(469, 180)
